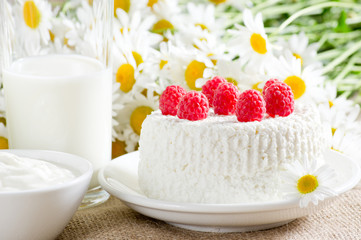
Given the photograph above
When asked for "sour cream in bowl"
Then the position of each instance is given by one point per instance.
(39, 192)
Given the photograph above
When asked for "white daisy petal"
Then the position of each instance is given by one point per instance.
(324, 173)
(309, 183)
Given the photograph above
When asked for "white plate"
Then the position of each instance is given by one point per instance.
(120, 178)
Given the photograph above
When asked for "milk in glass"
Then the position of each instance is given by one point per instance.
(61, 103)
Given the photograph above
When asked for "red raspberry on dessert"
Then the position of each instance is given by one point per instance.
(279, 100)
(225, 99)
(250, 106)
(210, 87)
(169, 100)
(193, 106)
(269, 83)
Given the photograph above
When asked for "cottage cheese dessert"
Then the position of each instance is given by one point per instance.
(221, 160)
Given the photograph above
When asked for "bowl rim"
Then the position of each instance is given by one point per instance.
(80, 177)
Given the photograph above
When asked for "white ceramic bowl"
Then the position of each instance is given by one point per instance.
(43, 213)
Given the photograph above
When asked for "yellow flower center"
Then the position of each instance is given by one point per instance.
(232, 80)
(217, 1)
(333, 131)
(203, 27)
(161, 26)
(52, 36)
(138, 116)
(298, 57)
(258, 43)
(307, 184)
(201, 39)
(122, 30)
(118, 148)
(151, 3)
(123, 4)
(3, 120)
(138, 58)
(65, 41)
(256, 86)
(330, 103)
(4, 143)
(214, 61)
(125, 76)
(162, 63)
(297, 85)
(193, 72)
(32, 14)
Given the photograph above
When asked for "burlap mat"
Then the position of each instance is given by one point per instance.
(113, 220)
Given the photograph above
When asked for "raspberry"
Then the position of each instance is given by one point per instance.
(169, 100)
(210, 87)
(193, 106)
(269, 83)
(279, 100)
(250, 106)
(225, 99)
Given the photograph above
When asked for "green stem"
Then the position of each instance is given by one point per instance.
(329, 54)
(356, 69)
(316, 7)
(265, 4)
(349, 35)
(345, 70)
(342, 57)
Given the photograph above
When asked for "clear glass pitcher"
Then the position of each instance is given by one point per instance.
(56, 76)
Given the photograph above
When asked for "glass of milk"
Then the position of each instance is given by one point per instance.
(55, 63)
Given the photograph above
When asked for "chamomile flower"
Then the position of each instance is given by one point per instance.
(118, 148)
(79, 18)
(253, 80)
(59, 42)
(347, 142)
(212, 47)
(136, 23)
(94, 42)
(304, 83)
(86, 34)
(300, 48)
(229, 70)
(130, 6)
(187, 66)
(157, 66)
(134, 43)
(131, 116)
(251, 42)
(129, 56)
(338, 112)
(307, 182)
(167, 13)
(33, 19)
(202, 16)
(126, 71)
(333, 101)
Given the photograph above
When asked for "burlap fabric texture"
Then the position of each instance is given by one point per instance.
(114, 220)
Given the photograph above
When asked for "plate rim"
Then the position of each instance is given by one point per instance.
(144, 201)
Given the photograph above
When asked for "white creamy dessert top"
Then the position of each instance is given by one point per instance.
(19, 173)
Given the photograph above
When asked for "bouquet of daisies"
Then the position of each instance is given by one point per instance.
(157, 43)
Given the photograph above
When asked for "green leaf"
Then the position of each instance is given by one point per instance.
(342, 26)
